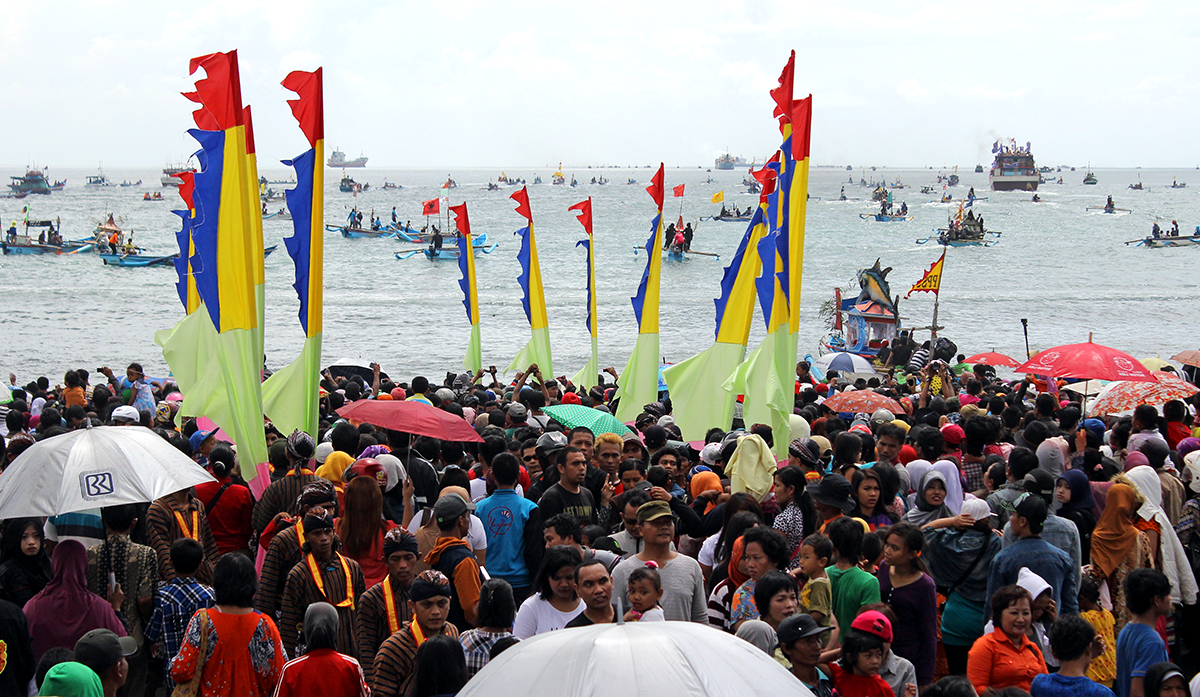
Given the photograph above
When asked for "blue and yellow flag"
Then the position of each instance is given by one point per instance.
(290, 396)
(638, 385)
(186, 285)
(216, 354)
(533, 300)
(473, 361)
(588, 375)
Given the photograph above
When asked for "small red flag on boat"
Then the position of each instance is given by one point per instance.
(678, 191)
(430, 207)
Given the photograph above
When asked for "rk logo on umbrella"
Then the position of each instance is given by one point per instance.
(96, 484)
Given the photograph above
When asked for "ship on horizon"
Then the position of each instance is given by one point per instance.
(338, 159)
(728, 161)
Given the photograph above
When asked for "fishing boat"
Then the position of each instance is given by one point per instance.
(338, 159)
(361, 233)
(144, 260)
(1192, 241)
(445, 253)
(1137, 187)
(60, 185)
(48, 239)
(281, 214)
(674, 253)
(156, 196)
(97, 180)
(1014, 168)
(13, 194)
(348, 185)
(126, 183)
(169, 173)
(421, 237)
(728, 161)
(1178, 185)
(558, 179)
(963, 231)
(450, 183)
(34, 182)
(879, 217)
(387, 185)
(978, 169)
(1090, 178)
(728, 216)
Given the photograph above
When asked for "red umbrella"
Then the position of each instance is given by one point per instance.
(1086, 361)
(994, 359)
(862, 401)
(416, 418)
(1190, 357)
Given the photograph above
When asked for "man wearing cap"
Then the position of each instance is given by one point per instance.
(283, 550)
(384, 608)
(323, 575)
(1058, 532)
(452, 557)
(104, 652)
(517, 416)
(800, 642)
(126, 415)
(683, 596)
(173, 517)
(395, 662)
(202, 442)
(1032, 552)
(280, 496)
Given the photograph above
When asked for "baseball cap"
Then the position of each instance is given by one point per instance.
(1039, 482)
(570, 398)
(450, 506)
(197, 439)
(1032, 508)
(710, 453)
(445, 394)
(799, 626)
(824, 444)
(977, 509)
(953, 434)
(517, 411)
(873, 622)
(882, 416)
(126, 413)
(653, 511)
(102, 648)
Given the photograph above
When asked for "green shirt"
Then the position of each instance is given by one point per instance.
(852, 589)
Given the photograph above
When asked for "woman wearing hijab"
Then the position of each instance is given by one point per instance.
(1074, 492)
(26, 568)
(65, 609)
(939, 497)
(1118, 547)
(1171, 558)
(916, 472)
(321, 670)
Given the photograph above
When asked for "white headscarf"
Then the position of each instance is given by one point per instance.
(954, 490)
(916, 470)
(1174, 559)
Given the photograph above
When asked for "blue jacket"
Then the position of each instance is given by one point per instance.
(513, 525)
(1042, 558)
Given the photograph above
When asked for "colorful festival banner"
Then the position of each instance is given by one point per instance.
(638, 384)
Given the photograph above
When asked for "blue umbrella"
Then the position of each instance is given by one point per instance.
(844, 362)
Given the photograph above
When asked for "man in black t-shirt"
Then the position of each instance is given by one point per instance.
(568, 494)
(595, 590)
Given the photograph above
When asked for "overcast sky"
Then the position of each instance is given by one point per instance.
(446, 84)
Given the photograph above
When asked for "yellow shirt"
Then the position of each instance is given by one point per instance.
(1103, 668)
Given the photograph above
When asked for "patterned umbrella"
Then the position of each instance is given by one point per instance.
(1191, 357)
(862, 401)
(994, 359)
(1124, 395)
(1086, 361)
(573, 415)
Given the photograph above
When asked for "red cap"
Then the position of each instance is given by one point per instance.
(907, 454)
(570, 398)
(873, 622)
(953, 434)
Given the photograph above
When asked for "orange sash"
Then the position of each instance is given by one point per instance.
(316, 576)
(194, 533)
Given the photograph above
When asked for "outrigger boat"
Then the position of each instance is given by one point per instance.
(1192, 241)
(674, 253)
(417, 237)
(963, 232)
(143, 260)
(43, 243)
(886, 218)
(727, 216)
(358, 232)
(281, 214)
(446, 253)
(1178, 185)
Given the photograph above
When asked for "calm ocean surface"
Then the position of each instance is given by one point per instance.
(1060, 266)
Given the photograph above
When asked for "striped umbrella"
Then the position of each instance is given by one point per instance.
(1124, 395)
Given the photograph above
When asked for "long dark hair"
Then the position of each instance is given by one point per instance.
(794, 477)
(441, 667)
(556, 558)
(856, 481)
(737, 525)
(362, 521)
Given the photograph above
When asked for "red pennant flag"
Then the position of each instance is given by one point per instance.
(656, 187)
(585, 214)
(783, 93)
(801, 127)
(431, 207)
(309, 107)
(766, 177)
(219, 93)
(460, 219)
(522, 199)
(679, 226)
(678, 191)
(187, 186)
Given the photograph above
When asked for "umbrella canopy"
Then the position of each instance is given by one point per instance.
(639, 659)
(860, 401)
(93, 468)
(1086, 388)
(416, 418)
(573, 415)
(1153, 363)
(1086, 361)
(992, 358)
(349, 367)
(1190, 357)
(1126, 396)
(844, 362)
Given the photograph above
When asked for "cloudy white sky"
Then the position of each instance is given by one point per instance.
(462, 83)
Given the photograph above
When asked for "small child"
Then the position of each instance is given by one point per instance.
(645, 590)
(1104, 667)
(177, 600)
(857, 672)
(816, 599)
(872, 552)
(1075, 643)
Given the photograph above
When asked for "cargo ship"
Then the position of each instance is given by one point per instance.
(338, 159)
(1014, 168)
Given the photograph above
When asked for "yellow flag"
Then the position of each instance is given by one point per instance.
(719, 197)
(931, 282)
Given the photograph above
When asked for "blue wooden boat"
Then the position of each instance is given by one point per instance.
(445, 253)
(673, 254)
(359, 233)
(141, 260)
(886, 218)
(943, 238)
(35, 248)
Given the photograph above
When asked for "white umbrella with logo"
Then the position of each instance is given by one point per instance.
(94, 468)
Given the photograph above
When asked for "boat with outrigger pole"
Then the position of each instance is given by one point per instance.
(963, 231)
(1167, 238)
(47, 240)
(1109, 207)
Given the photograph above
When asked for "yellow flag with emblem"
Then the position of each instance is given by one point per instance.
(931, 282)
(719, 197)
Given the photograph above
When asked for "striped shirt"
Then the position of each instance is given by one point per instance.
(372, 623)
(396, 662)
(300, 591)
(163, 529)
(282, 555)
(278, 497)
(178, 599)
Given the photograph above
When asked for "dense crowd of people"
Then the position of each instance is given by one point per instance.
(983, 538)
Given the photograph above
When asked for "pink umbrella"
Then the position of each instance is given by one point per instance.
(416, 418)
(1086, 361)
(994, 359)
(1123, 396)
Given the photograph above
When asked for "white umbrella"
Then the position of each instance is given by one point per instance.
(93, 468)
(638, 659)
(844, 362)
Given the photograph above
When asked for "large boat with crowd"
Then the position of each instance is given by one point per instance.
(1014, 168)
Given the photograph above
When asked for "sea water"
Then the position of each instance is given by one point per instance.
(1060, 266)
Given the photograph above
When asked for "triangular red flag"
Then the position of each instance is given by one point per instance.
(585, 214)
(460, 219)
(656, 187)
(678, 191)
(522, 199)
(783, 93)
(430, 207)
